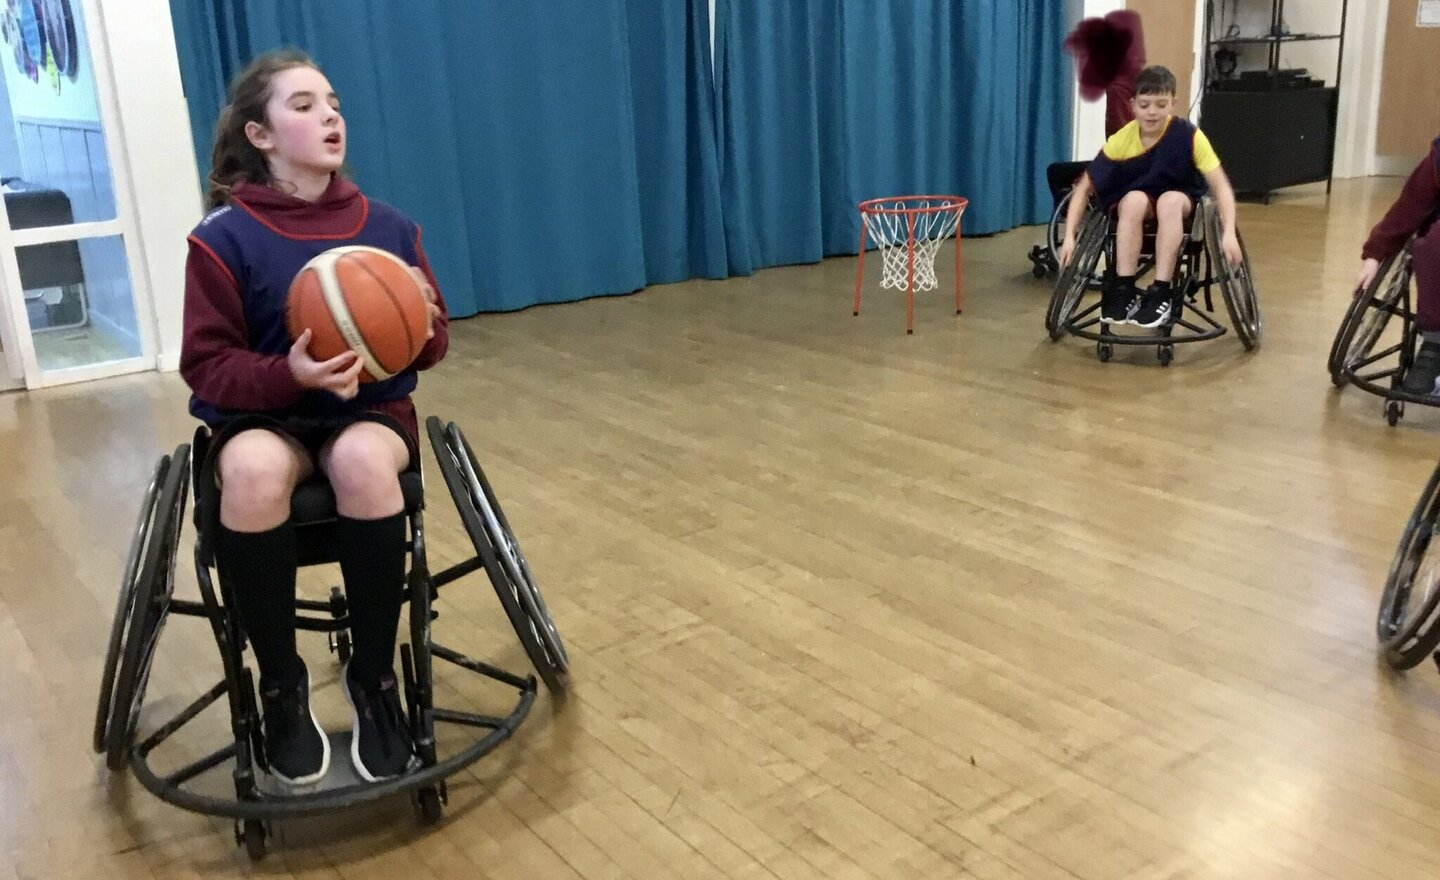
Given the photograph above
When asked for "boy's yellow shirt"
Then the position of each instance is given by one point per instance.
(1126, 144)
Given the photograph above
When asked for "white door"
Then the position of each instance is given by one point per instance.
(71, 307)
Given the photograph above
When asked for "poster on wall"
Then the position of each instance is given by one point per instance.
(42, 38)
(1427, 14)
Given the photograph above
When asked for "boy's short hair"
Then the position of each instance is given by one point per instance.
(1155, 80)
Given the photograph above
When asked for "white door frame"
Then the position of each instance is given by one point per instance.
(13, 319)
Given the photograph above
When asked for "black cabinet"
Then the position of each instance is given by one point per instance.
(1272, 139)
(1272, 127)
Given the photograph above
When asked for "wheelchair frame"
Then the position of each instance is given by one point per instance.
(1068, 313)
(147, 599)
(1352, 354)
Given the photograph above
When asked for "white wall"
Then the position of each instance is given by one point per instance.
(155, 141)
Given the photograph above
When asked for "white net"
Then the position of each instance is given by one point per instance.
(889, 226)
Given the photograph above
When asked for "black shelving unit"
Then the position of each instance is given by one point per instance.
(1271, 128)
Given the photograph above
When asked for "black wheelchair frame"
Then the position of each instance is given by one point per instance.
(147, 599)
(1354, 359)
(1200, 266)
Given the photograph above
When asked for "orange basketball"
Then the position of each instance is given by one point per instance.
(359, 299)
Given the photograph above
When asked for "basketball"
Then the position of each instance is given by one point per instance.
(359, 299)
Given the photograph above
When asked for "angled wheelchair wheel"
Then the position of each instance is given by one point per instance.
(505, 564)
(1367, 317)
(1409, 621)
(125, 605)
(143, 607)
(1077, 277)
(1349, 325)
(1237, 283)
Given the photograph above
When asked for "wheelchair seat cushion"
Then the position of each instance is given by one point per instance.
(314, 501)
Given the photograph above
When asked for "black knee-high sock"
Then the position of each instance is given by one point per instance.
(372, 559)
(259, 570)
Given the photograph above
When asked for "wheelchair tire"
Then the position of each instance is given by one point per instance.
(125, 606)
(150, 606)
(1237, 284)
(509, 573)
(1408, 631)
(1075, 278)
(1367, 317)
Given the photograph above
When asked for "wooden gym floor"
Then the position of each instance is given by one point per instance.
(841, 603)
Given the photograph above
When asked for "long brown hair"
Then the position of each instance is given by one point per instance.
(234, 159)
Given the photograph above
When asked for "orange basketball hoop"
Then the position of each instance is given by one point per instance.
(908, 231)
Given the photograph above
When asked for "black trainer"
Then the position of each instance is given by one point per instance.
(1154, 308)
(1420, 378)
(295, 744)
(1118, 304)
(380, 747)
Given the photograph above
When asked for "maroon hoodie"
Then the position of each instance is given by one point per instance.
(215, 358)
(1413, 212)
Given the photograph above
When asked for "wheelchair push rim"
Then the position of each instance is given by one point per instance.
(148, 609)
(125, 603)
(1075, 277)
(519, 597)
(1237, 283)
(1409, 630)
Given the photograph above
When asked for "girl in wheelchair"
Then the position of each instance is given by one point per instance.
(1414, 214)
(278, 197)
(1155, 168)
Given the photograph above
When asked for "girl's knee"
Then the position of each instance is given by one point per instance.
(258, 469)
(363, 463)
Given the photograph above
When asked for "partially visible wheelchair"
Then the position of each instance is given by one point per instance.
(1061, 177)
(1200, 266)
(1365, 355)
(1408, 625)
(147, 599)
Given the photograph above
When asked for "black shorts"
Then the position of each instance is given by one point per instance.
(311, 433)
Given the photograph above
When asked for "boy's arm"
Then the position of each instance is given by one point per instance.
(1224, 196)
(1075, 212)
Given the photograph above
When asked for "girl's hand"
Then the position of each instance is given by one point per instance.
(432, 299)
(1067, 250)
(1368, 270)
(339, 375)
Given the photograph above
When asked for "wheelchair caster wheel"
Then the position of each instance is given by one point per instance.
(1166, 353)
(429, 805)
(1394, 411)
(1038, 270)
(251, 835)
(1104, 351)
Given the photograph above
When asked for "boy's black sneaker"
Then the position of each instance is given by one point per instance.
(1420, 378)
(1155, 308)
(1118, 304)
(295, 744)
(380, 747)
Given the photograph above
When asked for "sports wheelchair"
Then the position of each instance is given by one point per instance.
(1200, 266)
(1408, 625)
(1354, 358)
(147, 600)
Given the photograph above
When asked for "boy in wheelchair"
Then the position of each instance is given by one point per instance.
(1156, 168)
(1414, 214)
(278, 198)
